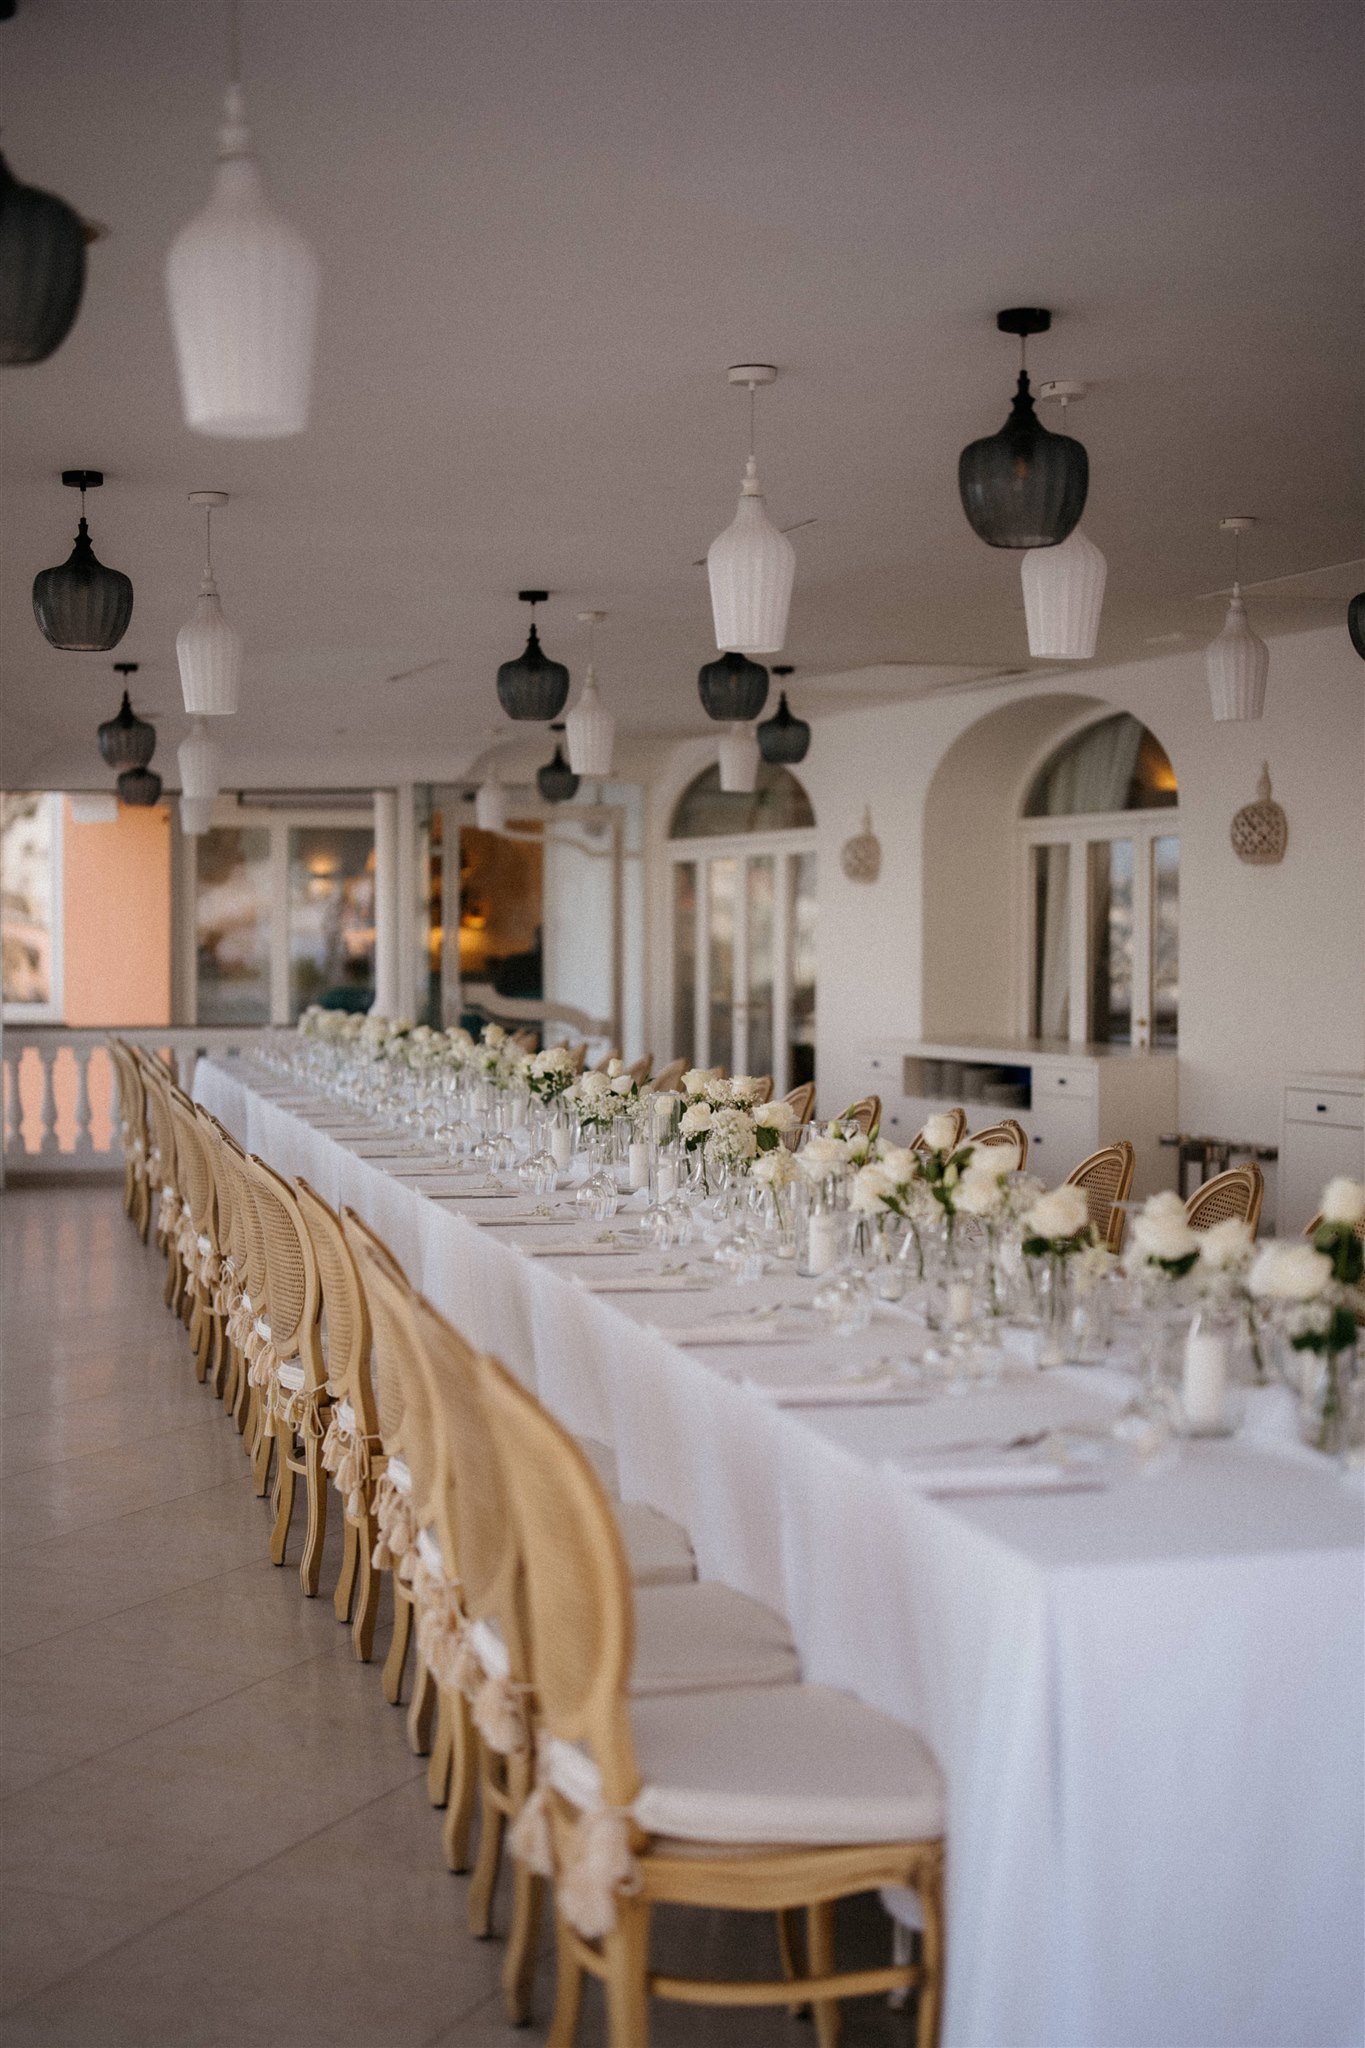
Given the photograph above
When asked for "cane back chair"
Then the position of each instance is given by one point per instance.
(1006, 1132)
(1238, 1194)
(1105, 1178)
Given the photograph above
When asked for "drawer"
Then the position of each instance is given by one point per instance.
(1064, 1082)
(1341, 1107)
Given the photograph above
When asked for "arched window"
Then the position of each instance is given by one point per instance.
(778, 804)
(1101, 853)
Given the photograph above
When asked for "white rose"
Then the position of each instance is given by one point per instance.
(622, 1084)
(718, 1091)
(1226, 1247)
(823, 1155)
(775, 1116)
(1343, 1200)
(1063, 1213)
(1161, 1231)
(1290, 1272)
(776, 1169)
(743, 1086)
(695, 1119)
(980, 1192)
(694, 1081)
(871, 1185)
(900, 1162)
(940, 1132)
(593, 1087)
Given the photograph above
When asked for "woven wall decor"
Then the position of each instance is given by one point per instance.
(861, 857)
(1260, 831)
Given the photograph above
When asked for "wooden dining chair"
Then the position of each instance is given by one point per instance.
(1238, 1193)
(198, 1232)
(802, 1100)
(639, 1071)
(1314, 1225)
(291, 1371)
(763, 1090)
(221, 1149)
(866, 1114)
(606, 1060)
(768, 1799)
(246, 1289)
(919, 1143)
(1105, 1177)
(667, 1078)
(131, 1113)
(1006, 1132)
(161, 1168)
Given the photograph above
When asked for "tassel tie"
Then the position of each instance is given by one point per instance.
(296, 1410)
(187, 1239)
(167, 1210)
(499, 1713)
(226, 1293)
(263, 1362)
(240, 1320)
(443, 1633)
(208, 1265)
(397, 1530)
(596, 1867)
(346, 1455)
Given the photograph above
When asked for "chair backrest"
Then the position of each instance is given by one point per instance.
(1106, 1177)
(802, 1100)
(346, 1316)
(763, 1089)
(605, 1062)
(1237, 1193)
(866, 1114)
(580, 1619)
(293, 1295)
(211, 1136)
(639, 1070)
(408, 1422)
(667, 1078)
(387, 1376)
(235, 1220)
(1314, 1225)
(578, 1054)
(1006, 1132)
(919, 1143)
(194, 1175)
(132, 1109)
(160, 1129)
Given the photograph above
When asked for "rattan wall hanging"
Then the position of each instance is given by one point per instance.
(861, 857)
(1260, 831)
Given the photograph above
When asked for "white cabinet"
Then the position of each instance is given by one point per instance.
(1322, 1134)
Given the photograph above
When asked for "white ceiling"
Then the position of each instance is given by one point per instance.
(546, 228)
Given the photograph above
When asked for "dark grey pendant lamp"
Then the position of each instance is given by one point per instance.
(733, 689)
(82, 607)
(782, 739)
(556, 781)
(1023, 487)
(533, 687)
(1355, 623)
(126, 741)
(42, 270)
(139, 787)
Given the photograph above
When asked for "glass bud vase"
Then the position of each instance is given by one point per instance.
(1056, 1302)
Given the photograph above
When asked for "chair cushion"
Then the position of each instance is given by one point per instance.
(490, 1648)
(399, 1474)
(704, 1637)
(345, 1415)
(290, 1377)
(785, 1763)
(659, 1551)
(429, 1551)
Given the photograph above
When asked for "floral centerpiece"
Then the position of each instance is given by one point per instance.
(1314, 1292)
(1164, 1248)
(1056, 1233)
(550, 1074)
(597, 1100)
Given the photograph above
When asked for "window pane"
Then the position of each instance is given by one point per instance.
(1165, 941)
(705, 811)
(684, 960)
(801, 1024)
(759, 1058)
(28, 828)
(331, 917)
(1050, 887)
(1111, 941)
(1114, 765)
(721, 876)
(232, 926)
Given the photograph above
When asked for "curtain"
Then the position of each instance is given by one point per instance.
(1091, 774)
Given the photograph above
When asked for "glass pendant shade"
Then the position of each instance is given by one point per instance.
(140, 787)
(1355, 623)
(242, 287)
(490, 805)
(196, 814)
(782, 739)
(200, 765)
(533, 687)
(751, 567)
(1063, 595)
(1238, 662)
(209, 651)
(126, 741)
(733, 689)
(82, 607)
(42, 270)
(738, 756)
(590, 731)
(1023, 487)
(556, 781)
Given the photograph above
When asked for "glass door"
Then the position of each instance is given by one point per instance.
(743, 994)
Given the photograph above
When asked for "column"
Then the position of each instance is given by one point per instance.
(387, 994)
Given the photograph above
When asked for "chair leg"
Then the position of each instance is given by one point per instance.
(439, 1748)
(788, 1948)
(398, 1647)
(820, 1957)
(260, 1460)
(488, 1862)
(172, 1287)
(315, 1488)
(929, 2004)
(241, 1392)
(568, 1989)
(422, 1710)
(285, 1475)
(625, 1953)
(519, 1963)
(346, 1577)
(367, 1600)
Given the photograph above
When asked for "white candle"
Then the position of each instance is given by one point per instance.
(959, 1302)
(1206, 1378)
(668, 1179)
(822, 1241)
(638, 1165)
(561, 1145)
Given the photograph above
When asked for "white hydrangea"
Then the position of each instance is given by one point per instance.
(1290, 1272)
(939, 1132)
(871, 1186)
(1161, 1231)
(777, 1169)
(1061, 1214)
(1343, 1201)
(1226, 1247)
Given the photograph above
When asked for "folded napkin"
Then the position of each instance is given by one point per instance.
(872, 1390)
(508, 1222)
(743, 1330)
(584, 1251)
(647, 1283)
(944, 1478)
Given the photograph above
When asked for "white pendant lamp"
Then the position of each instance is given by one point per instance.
(751, 565)
(1063, 585)
(490, 803)
(738, 754)
(200, 764)
(1237, 661)
(590, 729)
(208, 649)
(242, 287)
(196, 815)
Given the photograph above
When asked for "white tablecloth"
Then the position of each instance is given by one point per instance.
(1148, 1700)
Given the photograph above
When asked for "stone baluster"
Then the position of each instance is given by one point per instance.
(85, 1144)
(49, 1146)
(14, 1139)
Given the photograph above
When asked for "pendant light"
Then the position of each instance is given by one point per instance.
(590, 729)
(782, 739)
(1063, 586)
(1355, 623)
(208, 649)
(490, 802)
(196, 815)
(82, 607)
(533, 687)
(751, 565)
(140, 788)
(732, 689)
(199, 759)
(556, 781)
(1023, 487)
(42, 270)
(738, 756)
(1237, 660)
(126, 741)
(242, 288)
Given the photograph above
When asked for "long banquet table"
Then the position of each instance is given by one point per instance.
(1148, 1699)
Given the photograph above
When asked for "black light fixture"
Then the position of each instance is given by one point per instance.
(533, 686)
(1355, 623)
(733, 690)
(82, 607)
(140, 787)
(126, 741)
(1023, 487)
(42, 270)
(556, 781)
(782, 739)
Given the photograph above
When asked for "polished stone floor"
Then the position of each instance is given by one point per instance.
(212, 1831)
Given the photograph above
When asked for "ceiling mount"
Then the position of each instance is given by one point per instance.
(125, 668)
(1024, 320)
(83, 479)
(1236, 522)
(752, 374)
(1063, 390)
(211, 499)
(533, 596)
(590, 618)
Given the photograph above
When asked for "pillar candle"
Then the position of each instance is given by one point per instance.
(638, 1165)
(561, 1145)
(1206, 1378)
(822, 1241)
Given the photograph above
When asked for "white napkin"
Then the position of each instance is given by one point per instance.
(647, 1283)
(742, 1330)
(873, 1390)
(583, 1251)
(944, 1478)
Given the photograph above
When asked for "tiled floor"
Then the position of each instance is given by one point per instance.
(211, 1828)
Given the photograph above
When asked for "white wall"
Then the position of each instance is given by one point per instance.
(1272, 959)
